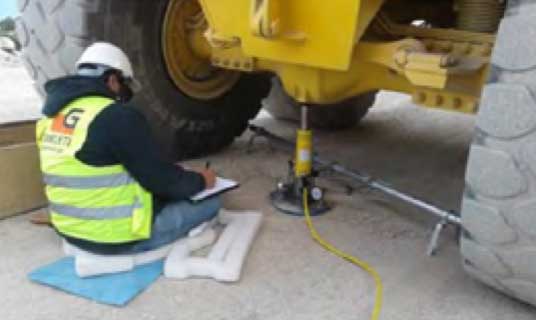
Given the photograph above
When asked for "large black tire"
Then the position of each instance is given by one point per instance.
(342, 115)
(499, 207)
(54, 33)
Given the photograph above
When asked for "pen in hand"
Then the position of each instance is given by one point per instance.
(209, 175)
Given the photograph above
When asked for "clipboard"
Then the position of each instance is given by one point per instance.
(222, 185)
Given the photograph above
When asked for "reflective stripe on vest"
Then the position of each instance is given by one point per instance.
(95, 213)
(100, 204)
(107, 181)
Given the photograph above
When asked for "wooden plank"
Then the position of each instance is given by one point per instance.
(21, 185)
(17, 132)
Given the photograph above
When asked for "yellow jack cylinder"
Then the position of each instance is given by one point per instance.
(304, 153)
(287, 196)
(304, 148)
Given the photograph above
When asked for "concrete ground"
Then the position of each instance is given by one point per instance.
(287, 276)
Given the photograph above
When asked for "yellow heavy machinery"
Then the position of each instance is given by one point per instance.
(205, 66)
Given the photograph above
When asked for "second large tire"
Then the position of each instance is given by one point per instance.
(499, 207)
(54, 34)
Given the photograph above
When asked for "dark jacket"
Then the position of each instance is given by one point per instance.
(120, 134)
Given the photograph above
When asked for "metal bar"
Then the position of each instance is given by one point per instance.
(277, 141)
(434, 240)
(377, 185)
(446, 215)
(304, 120)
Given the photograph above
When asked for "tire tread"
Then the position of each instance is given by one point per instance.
(497, 174)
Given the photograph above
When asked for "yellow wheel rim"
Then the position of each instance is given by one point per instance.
(187, 53)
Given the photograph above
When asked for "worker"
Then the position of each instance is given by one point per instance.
(110, 190)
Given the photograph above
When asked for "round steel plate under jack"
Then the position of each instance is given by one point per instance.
(288, 201)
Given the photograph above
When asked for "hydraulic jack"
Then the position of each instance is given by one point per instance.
(306, 166)
(287, 198)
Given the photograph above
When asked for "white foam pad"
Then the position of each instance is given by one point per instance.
(227, 256)
(88, 264)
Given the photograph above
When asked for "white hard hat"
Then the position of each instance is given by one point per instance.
(109, 55)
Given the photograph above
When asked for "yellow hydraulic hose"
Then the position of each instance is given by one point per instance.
(363, 265)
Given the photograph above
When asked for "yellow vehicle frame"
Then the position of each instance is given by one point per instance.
(320, 51)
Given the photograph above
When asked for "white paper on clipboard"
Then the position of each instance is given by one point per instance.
(221, 185)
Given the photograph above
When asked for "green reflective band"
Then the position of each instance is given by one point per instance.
(65, 165)
(105, 181)
(94, 198)
(104, 213)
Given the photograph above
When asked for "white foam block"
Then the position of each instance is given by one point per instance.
(227, 256)
(88, 264)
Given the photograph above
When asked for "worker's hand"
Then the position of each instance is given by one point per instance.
(209, 176)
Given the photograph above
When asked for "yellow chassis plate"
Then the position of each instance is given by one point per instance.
(316, 33)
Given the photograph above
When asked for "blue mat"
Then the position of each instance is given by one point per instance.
(114, 289)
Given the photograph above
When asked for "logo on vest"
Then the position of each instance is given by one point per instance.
(66, 124)
(60, 134)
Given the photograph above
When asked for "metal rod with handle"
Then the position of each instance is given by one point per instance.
(404, 197)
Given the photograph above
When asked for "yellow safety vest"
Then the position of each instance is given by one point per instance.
(100, 204)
